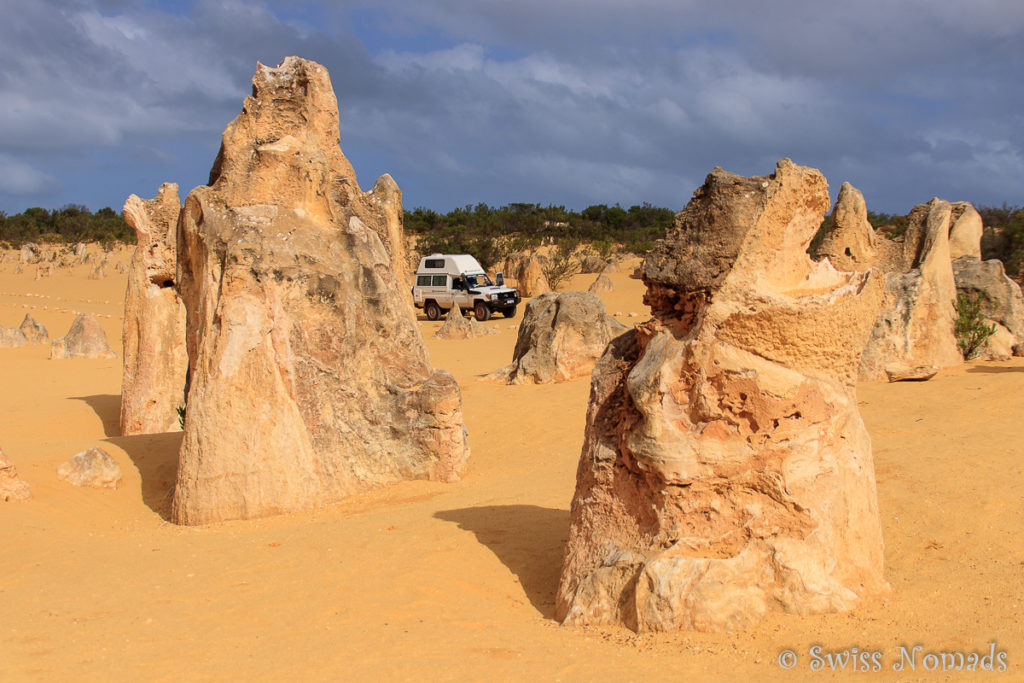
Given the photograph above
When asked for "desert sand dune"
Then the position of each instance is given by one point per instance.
(454, 581)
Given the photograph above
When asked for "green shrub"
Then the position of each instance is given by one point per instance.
(561, 265)
(970, 328)
(68, 225)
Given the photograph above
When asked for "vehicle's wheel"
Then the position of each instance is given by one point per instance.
(432, 310)
(481, 311)
(510, 312)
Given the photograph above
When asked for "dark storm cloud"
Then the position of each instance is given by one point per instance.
(571, 102)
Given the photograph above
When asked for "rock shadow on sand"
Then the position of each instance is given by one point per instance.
(994, 370)
(528, 539)
(155, 456)
(108, 408)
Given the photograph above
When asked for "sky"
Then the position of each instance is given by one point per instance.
(565, 102)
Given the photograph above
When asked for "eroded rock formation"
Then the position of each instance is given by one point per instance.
(601, 284)
(528, 272)
(1001, 299)
(592, 263)
(458, 326)
(964, 231)
(33, 330)
(914, 327)
(309, 379)
(726, 469)
(560, 339)
(11, 337)
(850, 241)
(155, 360)
(85, 339)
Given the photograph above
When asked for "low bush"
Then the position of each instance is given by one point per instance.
(970, 327)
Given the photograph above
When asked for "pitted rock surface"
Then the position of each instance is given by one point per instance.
(309, 379)
(726, 470)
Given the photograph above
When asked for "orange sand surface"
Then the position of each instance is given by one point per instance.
(427, 580)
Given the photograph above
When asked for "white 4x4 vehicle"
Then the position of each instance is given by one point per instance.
(447, 280)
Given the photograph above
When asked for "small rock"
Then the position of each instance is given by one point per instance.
(903, 373)
(591, 263)
(11, 337)
(11, 487)
(34, 331)
(561, 337)
(600, 285)
(93, 467)
(458, 326)
(85, 339)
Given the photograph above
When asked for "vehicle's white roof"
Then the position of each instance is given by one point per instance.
(463, 263)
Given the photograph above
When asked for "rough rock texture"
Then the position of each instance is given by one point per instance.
(11, 337)
(965, 231)
(1000, 346)
(381, 207)
(850, 241)
(34, 331)
(725, 468)
(93, 467)
(155, 359)
(602, 284)
(85, 339)
(1002, 301)
(528, 272)
(309, 379)
(903, 373)
(592, 263)
(31, 331)
(458, 326)
(914, 326)
(11, 486)
(560, 339)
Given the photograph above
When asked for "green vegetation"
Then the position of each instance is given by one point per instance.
(491, 233)
(970, 327)
(68, 225)
(892, 225)
(561, 266)
(1004, 236)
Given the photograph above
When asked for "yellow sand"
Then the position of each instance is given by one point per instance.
(453, 581)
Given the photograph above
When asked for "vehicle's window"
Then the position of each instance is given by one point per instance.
(440, 280)
(434, 263)
(422, 280)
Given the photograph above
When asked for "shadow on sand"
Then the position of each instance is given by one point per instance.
(528, 539)
(108, 408)
(155, 456)
(994, 370)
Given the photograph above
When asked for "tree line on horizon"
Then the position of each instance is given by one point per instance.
(67, 225)
(491, 233)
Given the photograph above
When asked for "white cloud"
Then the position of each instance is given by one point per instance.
(525, 101)
(20, 179)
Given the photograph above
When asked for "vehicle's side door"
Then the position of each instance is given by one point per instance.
(460, 294)
(440, 288)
